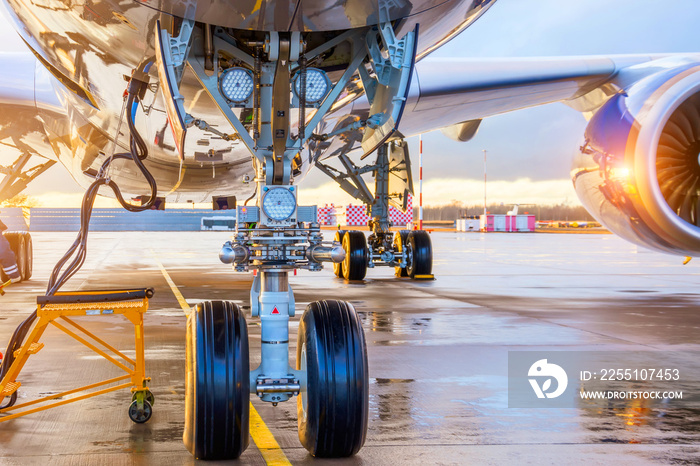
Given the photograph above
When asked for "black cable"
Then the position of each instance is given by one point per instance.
(138, 153)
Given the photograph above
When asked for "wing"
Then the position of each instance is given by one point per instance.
(449, 92)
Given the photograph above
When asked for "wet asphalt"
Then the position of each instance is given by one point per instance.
(438, 351)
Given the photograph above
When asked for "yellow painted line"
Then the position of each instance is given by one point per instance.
(180, 299)
(265, 441)
(263, 438)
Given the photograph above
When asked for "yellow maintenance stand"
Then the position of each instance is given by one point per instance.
(59, 311)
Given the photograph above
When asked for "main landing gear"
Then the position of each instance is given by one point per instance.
(408, 251)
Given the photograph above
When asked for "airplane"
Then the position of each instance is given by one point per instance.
(201, 98)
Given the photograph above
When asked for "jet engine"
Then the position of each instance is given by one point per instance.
(638, 171)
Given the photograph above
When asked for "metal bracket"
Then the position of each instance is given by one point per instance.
(385, 67)
(179, 48)
(387, 92)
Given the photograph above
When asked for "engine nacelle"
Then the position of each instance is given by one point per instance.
(638, 171)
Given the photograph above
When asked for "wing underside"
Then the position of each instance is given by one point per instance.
(447, 92)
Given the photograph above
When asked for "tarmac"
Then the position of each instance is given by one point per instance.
(438, 351)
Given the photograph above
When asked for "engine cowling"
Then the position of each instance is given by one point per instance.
(638, 171)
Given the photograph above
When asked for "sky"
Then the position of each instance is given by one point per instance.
(529, 152)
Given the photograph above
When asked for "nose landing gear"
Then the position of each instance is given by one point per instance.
(284, 71)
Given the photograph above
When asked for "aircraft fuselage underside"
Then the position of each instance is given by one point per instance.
(88, 49)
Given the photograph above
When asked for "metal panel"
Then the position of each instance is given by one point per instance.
(121, 220)
(307, 213)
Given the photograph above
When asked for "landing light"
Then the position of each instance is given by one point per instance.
(279, 204)
(236, 84)
(317, 85)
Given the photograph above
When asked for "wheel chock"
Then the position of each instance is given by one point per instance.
(424, 277)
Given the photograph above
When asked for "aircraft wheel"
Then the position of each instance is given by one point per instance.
(338, 267)
(355, 264)
(29, 257)
(400, 241)
(217, 384)
(332, 411)
(18, 247)
(420, 252)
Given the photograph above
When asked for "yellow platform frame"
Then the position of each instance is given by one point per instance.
(132, 309)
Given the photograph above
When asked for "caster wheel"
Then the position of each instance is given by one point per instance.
(338, 267)
(420, 253)
(217, 384)
(400, 241)
(355, 264)
(10, 402)
(332, 412)
(140, 416)
(29, 257)
(149, 397)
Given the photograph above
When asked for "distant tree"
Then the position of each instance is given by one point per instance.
(20, 200)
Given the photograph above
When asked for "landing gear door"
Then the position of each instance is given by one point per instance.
(400, 178)
(170, 53)
(393, 63)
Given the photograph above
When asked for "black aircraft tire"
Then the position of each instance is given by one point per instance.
(355, 264)
(217, 383)
(338, 266)
(332, 412)
(17, 245)
(29, 257)
(400, 241)
(422, 254)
